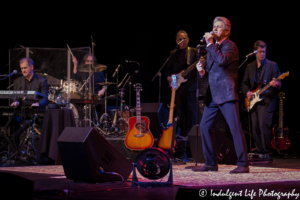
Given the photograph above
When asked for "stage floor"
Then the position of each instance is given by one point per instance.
(280, 178)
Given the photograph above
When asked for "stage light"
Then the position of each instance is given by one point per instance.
(152, 163)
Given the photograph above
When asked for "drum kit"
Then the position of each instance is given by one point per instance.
(75, 90)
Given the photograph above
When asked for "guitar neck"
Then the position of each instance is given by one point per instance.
(266, 87)
(171, 112)
(190, 68)
(138, 107)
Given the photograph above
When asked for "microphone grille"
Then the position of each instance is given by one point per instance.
(255, 52)
(15, 71)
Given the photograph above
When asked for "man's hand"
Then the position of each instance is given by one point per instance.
(35, 104)
(200, 68)
(209, 38)
(16, 103)
(249, 95)
(274, 83)
(101, 92)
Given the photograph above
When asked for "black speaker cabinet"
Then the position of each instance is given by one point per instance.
(223, 141)
(192, 140)
(15, 187)
(85, 154)
(157, 114)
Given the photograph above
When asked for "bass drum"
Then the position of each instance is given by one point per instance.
(74, 87)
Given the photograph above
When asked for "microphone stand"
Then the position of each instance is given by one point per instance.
(249, 116)
(243, 62)
(159, 74)
(197, 109)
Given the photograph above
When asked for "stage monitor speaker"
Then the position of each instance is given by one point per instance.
(157, 114)
(223, 141)
(86, 154)
(15, 187)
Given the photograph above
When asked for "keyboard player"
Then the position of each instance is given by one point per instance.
(31, 81)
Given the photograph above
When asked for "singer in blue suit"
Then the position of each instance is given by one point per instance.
(221, 96)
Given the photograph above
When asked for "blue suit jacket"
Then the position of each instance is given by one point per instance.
(222, 70)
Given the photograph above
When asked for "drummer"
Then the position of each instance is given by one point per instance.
(82, 76)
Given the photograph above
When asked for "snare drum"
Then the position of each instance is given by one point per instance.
(73, 87)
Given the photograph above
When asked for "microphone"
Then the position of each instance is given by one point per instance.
(137, 71)
(180, 42)
(116, 71)
(251, 54)
(203, 39)
(14, 72)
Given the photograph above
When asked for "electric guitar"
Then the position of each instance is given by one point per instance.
(280, 140)
(138, 137)
(180, 76)
(249, 103)
(165, 139)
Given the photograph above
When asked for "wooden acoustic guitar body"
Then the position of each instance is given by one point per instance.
(139, 136)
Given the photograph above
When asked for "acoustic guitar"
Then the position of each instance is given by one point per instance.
(280, 140)
(249, 103)
(138, 137)
(164, 142)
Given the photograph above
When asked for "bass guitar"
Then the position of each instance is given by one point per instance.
(249, 103)
(138, 137)
(180, 76)
(165, 139)
(280, 140)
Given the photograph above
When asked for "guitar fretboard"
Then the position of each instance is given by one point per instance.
(138, 107)
(190, 68)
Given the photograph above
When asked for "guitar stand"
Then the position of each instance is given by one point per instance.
(174, 161)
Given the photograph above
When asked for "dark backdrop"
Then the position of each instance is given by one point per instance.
(146, 33)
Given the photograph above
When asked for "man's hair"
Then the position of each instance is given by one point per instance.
(226, 23)
(181, 31)
(259, 43)
(87, 55)
(28, 60)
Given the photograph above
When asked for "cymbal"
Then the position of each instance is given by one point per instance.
(50, 79)
(97, 68)
(106, 83)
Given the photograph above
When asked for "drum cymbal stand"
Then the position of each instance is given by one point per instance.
(105, 120)
(122, 125)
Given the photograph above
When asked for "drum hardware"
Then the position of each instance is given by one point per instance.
(105, 120)
(73, 87)
(87, 80)
(121, 125)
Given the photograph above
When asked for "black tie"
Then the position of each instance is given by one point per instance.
(218, 45)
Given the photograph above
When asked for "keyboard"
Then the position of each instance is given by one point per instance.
(20, 94)
(29, 110)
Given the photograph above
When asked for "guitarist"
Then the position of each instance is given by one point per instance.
(261, 72)
(185, 99)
